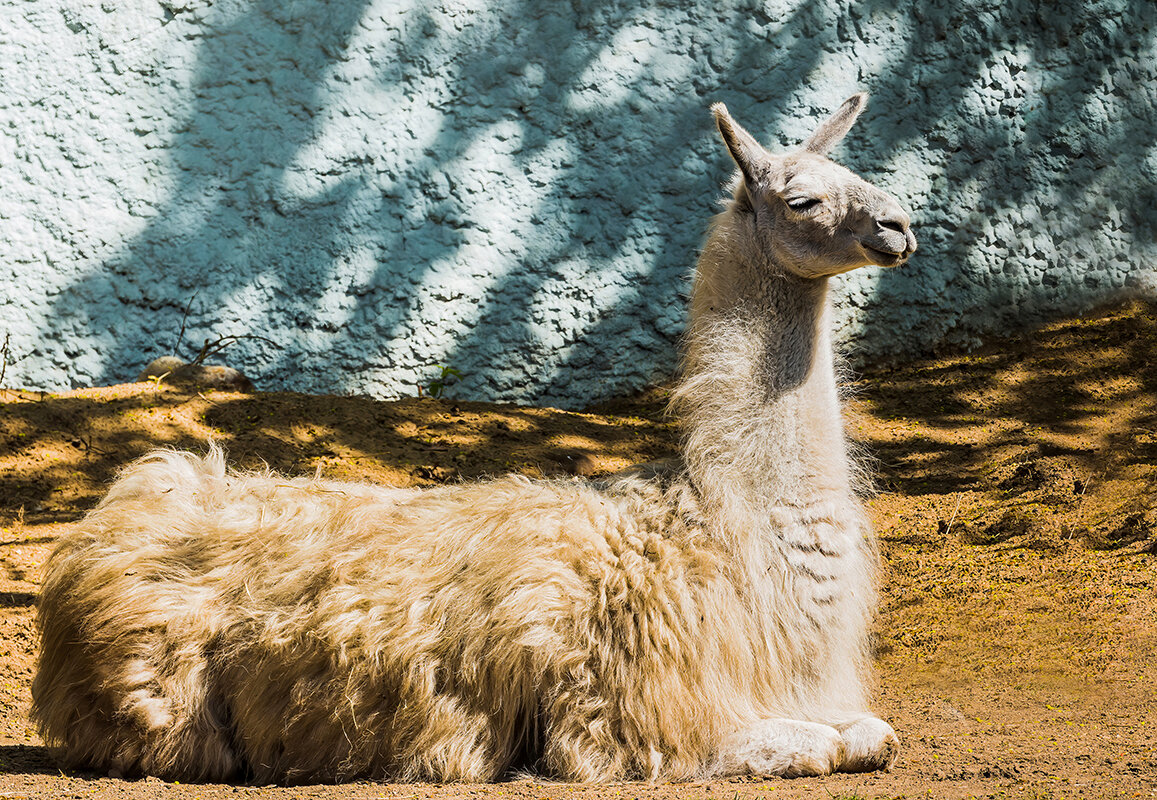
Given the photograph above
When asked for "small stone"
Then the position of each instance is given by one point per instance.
(582, 464)
(158, 367)
(175, 372)
(212, 376)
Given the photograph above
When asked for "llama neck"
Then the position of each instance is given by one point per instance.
(758, 398)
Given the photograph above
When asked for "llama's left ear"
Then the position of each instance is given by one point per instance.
(747, 153)
(836, 127)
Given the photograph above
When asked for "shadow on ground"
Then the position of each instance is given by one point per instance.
(59, 452)
(1016, 630)
(27, 759)
(1063, 417)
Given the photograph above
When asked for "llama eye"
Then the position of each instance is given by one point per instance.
(803, 203)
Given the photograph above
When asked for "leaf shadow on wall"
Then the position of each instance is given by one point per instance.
(249, 115)
(1053, 206)
(346, 259)
(616, 226)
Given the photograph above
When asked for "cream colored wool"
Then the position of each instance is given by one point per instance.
(705, 619)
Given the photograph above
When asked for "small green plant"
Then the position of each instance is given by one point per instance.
(437, 387)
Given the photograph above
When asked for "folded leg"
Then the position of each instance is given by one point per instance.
(869, 744)
(785, 747)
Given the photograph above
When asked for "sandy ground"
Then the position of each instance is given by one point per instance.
(1017, 637)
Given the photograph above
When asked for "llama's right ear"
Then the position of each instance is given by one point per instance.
(835, 127)
(747, 153)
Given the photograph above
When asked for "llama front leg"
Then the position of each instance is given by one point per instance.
(870, 744)
(786, 747)
(792, 748)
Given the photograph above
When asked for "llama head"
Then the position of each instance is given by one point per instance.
(812, 216)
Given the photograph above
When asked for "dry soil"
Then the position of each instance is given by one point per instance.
(1016, 644)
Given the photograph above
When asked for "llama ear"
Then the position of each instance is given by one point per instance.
(835, 127)
(745, 150)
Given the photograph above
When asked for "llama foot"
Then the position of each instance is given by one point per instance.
(870, 744)
(785, 747)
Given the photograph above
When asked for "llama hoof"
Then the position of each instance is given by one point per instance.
(870, 744)
(823, 756)
(788, 748)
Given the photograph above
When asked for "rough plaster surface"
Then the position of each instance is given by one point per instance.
(517, 189)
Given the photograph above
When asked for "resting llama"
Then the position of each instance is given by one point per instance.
(705, 619)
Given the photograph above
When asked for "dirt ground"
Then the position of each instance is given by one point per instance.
(1017, 636)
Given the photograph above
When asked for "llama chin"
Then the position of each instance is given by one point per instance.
(706, 618)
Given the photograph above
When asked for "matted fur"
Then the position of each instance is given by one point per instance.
(207, 624)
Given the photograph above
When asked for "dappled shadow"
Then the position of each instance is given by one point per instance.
(1038, 193)
(1053, 392)
(424, 441)
(249, 223)
(1062, 418)
(520, 193)
(1058, 426)
(59, 453)
(28, 759)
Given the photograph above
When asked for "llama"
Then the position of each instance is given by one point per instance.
(706, 619)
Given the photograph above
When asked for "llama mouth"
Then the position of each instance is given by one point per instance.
(882, 257)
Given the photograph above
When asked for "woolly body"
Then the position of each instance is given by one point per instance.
(710, 618)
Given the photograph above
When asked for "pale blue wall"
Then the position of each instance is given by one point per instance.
(518, 189)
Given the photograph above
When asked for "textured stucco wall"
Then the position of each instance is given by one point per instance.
(517, 189)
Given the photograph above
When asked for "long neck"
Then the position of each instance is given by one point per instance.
(758, 397)
(764, 447)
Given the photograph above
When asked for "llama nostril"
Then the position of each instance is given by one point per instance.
(892, 225)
